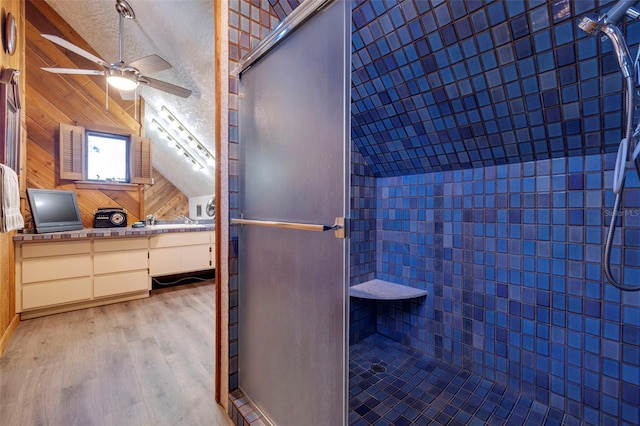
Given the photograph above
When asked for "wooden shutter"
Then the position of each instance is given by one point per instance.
(71, 152)
(140, 160)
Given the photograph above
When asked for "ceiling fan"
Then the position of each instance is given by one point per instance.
(124, 77)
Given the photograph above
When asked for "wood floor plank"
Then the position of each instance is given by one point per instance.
(135, 415)
(142, 362)
(83, 404)
(40, 396)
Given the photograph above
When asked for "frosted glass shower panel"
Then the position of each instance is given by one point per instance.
(294, 152)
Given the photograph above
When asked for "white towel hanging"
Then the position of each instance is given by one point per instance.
(10, 217)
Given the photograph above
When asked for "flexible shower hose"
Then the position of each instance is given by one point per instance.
(619, 187)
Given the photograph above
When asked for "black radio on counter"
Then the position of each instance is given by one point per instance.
(110, 217)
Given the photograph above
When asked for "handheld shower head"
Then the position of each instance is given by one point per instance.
(592, 25)
(620, 48)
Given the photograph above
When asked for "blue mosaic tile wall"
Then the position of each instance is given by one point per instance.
(362, 245)
(445, 85)
(363, 224)
(442, 85)
(511, 258)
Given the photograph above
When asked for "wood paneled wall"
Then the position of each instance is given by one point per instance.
(8, 318)
(56, 98)
(164, 200)
(47, 100)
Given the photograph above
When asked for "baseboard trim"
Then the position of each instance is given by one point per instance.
(40, 312)
(8, 333)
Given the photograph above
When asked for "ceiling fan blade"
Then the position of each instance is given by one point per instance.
(165, 87)
(75, 49)
(150, 64)
(73, 71)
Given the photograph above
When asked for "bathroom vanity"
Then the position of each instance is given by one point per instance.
(65, 271)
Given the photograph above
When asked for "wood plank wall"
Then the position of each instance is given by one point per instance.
(8, 318)
(55, 98)
(48, 100)
(164, 200)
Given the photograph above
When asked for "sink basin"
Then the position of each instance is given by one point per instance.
(175, 226)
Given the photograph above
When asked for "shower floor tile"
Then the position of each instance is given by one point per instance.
(391, 384)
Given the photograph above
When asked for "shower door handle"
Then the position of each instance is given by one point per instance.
(339, 225)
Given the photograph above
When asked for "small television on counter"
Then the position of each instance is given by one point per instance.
(54, 210)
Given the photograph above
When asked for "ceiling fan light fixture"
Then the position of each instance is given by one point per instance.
(122, 79)
(122, 83)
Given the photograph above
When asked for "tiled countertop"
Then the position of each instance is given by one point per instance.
(114, 232)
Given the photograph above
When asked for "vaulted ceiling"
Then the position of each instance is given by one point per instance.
(181, 32)
(440, 85)
(436, 85)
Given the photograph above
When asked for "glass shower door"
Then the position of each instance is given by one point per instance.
(294, 180)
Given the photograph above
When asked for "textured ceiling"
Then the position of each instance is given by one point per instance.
(441, 85)
(181, 32)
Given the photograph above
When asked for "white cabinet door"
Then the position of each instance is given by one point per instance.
(175, 253)
(196, 258)
(165, 261)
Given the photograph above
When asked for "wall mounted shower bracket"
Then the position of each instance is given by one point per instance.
(633, 13)
(621, 8)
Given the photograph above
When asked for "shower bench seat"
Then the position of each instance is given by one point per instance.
(384, 290)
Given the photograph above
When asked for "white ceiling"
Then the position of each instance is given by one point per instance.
(181, 32)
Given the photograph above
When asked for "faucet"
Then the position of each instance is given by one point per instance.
(151, 219)
(185, 219)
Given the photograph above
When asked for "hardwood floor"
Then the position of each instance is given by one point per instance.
(144, 362)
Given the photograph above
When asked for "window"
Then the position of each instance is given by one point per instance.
(104, 155)
(107, 157)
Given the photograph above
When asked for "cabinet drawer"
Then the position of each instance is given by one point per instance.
(56, 292)
(165, 261)
(119, 283)
(30, 250)
(54, 268)
(179, 239)
(195, 258)
(120, 244)
(129, 260)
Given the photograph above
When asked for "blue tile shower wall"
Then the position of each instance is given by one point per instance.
(362, 245)
(445, 85)
(511, 258)
(363, 224)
